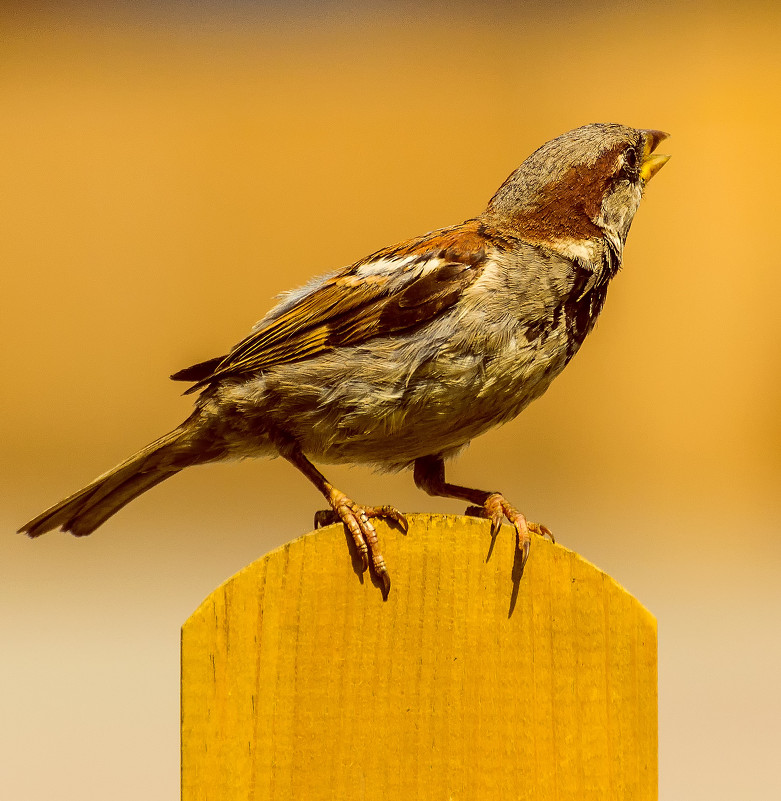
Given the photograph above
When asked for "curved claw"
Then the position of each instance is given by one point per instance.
(525, 549)
(542, 531)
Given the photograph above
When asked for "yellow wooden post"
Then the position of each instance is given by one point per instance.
(299, 682)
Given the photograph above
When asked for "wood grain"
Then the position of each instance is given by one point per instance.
(299, 682)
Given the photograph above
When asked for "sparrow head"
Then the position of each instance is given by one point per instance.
(584, 184)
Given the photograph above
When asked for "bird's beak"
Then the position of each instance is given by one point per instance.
(652, 163)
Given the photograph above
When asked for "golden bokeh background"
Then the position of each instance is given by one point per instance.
(167, 168)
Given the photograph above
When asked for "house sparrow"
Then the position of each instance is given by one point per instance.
(402, 358)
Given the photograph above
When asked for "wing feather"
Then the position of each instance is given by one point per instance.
(392, 290)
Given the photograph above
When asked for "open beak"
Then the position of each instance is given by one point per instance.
(652, 163)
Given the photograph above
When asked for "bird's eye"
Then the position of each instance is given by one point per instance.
(630, 158)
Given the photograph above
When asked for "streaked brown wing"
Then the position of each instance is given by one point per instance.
(349, 308)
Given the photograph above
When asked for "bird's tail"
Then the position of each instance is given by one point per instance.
(90, 507)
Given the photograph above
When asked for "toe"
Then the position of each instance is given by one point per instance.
(377, 560)
(389, 512)
(385, 583)
(363, 553)
(358, 521)
(543, 531)
(353, 523)
(522, 536)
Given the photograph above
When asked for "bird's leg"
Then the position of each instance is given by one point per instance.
(430, 477)
(356, 518)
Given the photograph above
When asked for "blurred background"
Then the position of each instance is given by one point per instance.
(167, 168)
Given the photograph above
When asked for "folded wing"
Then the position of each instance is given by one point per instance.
(392, 290)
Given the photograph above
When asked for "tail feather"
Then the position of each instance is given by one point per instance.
(90, 507)
(87, 520)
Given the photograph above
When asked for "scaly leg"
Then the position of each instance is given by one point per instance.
(430, 477)
(356, 518)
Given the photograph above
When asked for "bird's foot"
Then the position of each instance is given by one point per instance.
(495, 508)
(357, 519)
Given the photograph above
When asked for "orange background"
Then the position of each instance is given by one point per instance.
(165, 172)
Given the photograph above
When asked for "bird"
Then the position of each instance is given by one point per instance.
(400, 359)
